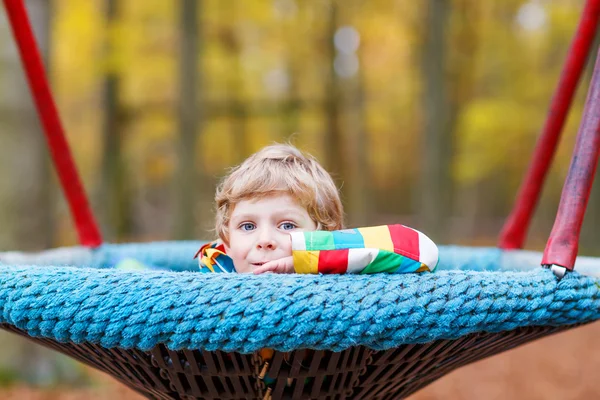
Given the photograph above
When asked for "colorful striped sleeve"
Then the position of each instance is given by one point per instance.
(394, 249)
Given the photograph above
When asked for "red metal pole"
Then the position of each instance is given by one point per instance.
(89, 234)
(513, 233)
(563, 243)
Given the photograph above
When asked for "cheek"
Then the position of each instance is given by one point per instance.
(239, 246)
(242, 267)
(238, 254)
(286, 244)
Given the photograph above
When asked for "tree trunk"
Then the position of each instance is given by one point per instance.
(191, 187)
(115, 194)
(358, 170)
(28, 193)
(433, 200)
(334, 160)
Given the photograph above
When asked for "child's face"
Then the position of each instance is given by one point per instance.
(259, 230)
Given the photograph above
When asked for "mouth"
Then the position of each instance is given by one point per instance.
(258, 264)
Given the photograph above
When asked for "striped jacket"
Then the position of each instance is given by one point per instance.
(388, 248)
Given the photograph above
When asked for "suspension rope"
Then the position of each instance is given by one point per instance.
(513, 233)
(89, 234)
(563, 243)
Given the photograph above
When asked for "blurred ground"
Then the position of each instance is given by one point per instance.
(562, 366)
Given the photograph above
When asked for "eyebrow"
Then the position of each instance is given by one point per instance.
(283, 214)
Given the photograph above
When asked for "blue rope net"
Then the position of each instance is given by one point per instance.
(72, 295)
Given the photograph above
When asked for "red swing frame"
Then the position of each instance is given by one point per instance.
(563, 242)
(87, 229)
(562, 246)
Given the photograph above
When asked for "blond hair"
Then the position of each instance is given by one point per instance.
(280, 168)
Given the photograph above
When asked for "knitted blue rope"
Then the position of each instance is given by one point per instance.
(244, 313)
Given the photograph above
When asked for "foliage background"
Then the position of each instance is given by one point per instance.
(425, 112)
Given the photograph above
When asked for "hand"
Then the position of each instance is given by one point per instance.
(282, 266)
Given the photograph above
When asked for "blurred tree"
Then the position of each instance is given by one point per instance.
(358, 191)
(35, 229)
(355, 145)
(267, 69)
(333, 143)
(237, 100)
(29, 226)
(434, 198)
(463, 45)
(192, 191)
(116, 194)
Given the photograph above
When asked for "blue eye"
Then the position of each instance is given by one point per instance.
(247, 226)
(287, 226)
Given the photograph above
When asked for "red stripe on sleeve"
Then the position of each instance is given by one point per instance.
(333, 261)
(405, 240)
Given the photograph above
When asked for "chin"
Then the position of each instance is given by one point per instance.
(246, 269)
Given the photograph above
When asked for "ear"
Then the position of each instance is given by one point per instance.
(223, 241)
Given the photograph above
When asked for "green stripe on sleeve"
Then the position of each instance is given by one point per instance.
(386, 261)
(319, 240)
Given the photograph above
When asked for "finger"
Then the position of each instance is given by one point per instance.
(271, 266)
(287, 265)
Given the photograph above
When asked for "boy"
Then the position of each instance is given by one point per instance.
(280, 211)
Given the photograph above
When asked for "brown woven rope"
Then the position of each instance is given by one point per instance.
(355, 373)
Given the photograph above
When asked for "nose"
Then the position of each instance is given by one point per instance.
(266, 240)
